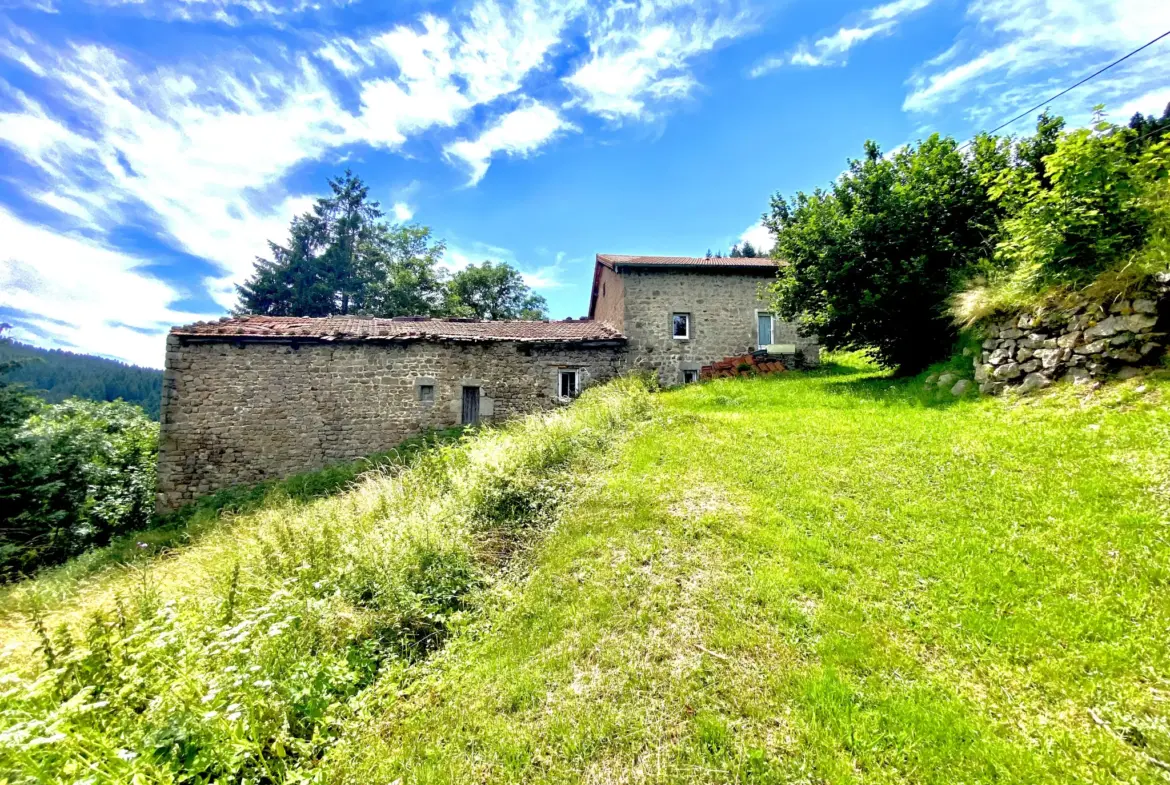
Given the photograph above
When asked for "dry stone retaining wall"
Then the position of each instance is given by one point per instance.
(1085, 342)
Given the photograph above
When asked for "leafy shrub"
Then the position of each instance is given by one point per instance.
(871, 263)
(1092, 207)
(240, 659)
(86, 472)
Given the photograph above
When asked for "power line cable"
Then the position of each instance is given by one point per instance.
(1073, 87)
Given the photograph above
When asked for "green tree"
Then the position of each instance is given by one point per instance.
(402, 277)
(343, 258)
(15, 407)
(493, 291)
(1148, 128)
(748, 251)
(873, 261)
(1092, 208)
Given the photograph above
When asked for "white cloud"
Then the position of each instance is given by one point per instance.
(1153, 102)
(543, 278)
(759, 236)
(228, 12)
(199, 148)
(896, 9)
(459, 256)
(641, 52)
(85, 296)
(518, 133)
(1012, 52)
(832, 49)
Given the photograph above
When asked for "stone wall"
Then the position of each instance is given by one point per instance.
(242, 412)
(1081, 343)
(610, 305)
(722, 307)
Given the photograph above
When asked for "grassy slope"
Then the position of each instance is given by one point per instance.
(104, 571)
(824, 578)
(240, 656)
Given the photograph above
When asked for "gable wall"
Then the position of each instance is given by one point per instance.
(246, 412)
(723, 309)
(610, 305)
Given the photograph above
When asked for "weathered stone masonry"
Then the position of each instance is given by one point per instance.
(257, 397)
(1079, 343)
(722, 298)
(245, 410)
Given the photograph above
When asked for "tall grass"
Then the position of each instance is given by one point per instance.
(237, 659)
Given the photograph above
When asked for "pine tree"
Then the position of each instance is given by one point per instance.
(343, 258)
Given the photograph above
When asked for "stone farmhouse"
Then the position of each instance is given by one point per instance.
(253, 398)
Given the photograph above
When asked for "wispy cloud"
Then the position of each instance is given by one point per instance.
(640, 54)
(197, 150)
(83, 295)
(759, 236)
(1013, 51)
(518, 133)
(833, 49)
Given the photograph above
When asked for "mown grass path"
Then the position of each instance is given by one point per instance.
(825, 578)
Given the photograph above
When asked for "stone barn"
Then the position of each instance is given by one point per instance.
(258, 397)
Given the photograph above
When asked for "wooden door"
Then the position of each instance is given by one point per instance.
(470, 405)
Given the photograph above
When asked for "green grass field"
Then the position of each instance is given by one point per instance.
(834, 578)
(830, 577)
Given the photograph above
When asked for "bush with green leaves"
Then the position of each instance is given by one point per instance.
(240, 658)
(1095, 214)
(78, 473)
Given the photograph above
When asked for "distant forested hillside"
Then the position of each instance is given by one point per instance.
(55, 375)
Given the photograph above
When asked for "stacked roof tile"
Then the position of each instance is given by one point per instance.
(351, 328)
(611, 259)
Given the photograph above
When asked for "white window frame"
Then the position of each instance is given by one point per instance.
(771, 327)
(690, 371)
(576, 373)
(686, 314)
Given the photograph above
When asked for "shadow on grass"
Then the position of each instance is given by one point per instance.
(192, 521)
(852, 375)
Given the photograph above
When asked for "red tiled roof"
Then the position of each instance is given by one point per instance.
(355, 328)
(612, 259)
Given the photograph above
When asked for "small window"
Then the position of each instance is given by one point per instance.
(680, 325)
(690, 377)
(567, 384)
(426, 393)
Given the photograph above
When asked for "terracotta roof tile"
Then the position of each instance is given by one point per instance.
(611, 259)
(352, 328)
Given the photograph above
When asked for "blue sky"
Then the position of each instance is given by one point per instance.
(148, 149)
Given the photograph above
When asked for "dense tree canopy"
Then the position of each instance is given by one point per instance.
(493, 291)
(902, 244)
(872, 261)
(342, 257)
(54, 375)
(72, 475)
